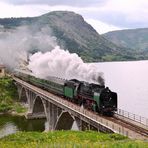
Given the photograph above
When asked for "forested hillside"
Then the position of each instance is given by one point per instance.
(136, 39)
(74, 34)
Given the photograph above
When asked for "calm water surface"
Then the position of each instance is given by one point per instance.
(130, 81)
(11, 124)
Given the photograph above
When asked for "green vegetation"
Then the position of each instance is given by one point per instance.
(18, 108)
(69, 139)
(8, 96)
(73, 34)
(135, 39)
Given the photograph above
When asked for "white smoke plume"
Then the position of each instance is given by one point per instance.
(16, 42)
(61, 63)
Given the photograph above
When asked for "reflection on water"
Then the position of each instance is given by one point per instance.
(11, 124)
(8, 128)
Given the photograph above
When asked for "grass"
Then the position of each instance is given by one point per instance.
(69, 139)
(18, 108)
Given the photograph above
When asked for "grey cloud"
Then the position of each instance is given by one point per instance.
(78, 3)
(120, 19)
(115, 17)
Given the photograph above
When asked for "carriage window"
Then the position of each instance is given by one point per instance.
(0, 70)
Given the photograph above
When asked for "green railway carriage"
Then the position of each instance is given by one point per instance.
(51, 84)
(70, 89)
(92, 96)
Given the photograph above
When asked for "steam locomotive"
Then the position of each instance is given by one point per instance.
(91, 96)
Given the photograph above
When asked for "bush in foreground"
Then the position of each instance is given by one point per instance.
(69, 139)
(9, 96)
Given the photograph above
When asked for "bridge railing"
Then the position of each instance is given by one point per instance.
(134, 117)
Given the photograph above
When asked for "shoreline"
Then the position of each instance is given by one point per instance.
(13, 113)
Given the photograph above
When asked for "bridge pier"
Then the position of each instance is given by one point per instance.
(52, 113)
(31, 97)
(79, 123)
(85, 125)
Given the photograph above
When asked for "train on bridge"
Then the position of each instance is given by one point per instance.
(91, 96)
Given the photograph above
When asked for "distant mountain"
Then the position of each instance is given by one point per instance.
(74, 34)
(136, 39)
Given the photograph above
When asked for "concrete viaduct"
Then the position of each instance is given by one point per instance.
(61, 114)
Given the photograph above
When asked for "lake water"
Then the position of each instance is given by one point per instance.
(130, 81)
(11, 124)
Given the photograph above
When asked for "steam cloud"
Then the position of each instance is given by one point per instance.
(16, 42)
(61, 63)
(52, 61)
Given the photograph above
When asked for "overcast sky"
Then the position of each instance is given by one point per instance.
(103, 15)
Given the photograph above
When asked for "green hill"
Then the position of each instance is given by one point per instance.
(74, 34)
(136, 39)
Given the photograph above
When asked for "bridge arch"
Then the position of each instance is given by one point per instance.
(38, 106)
(64, 121)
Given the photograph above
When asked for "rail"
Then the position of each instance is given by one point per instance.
(133, 117)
